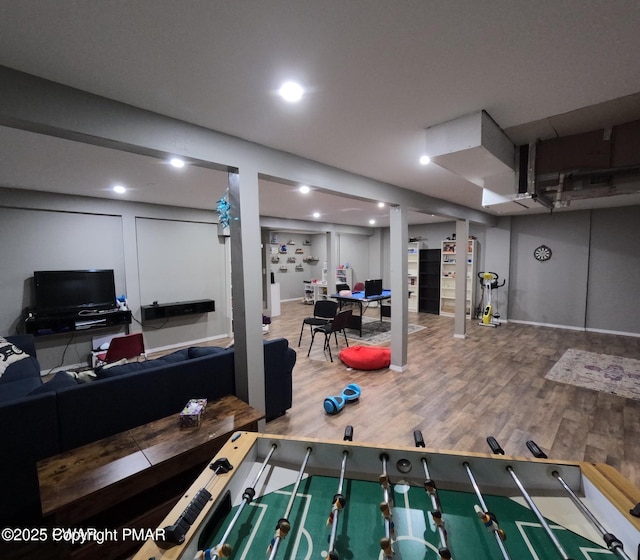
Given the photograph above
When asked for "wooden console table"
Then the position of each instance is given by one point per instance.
(151, 464)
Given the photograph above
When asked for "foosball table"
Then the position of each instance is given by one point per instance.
(266, 496)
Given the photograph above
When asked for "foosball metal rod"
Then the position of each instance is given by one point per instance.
(284, 526)
(338, 499)
(224, 549)
(385, 508)
(538, 514)
(497, 449)
(436, 511)
(483, 505)
(612, 542)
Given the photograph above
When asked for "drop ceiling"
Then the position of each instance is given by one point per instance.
(377, 74)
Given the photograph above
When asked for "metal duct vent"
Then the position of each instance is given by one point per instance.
(600, 163)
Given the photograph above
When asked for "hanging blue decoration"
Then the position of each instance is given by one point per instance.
(223, 208)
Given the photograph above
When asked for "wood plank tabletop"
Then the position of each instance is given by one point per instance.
(83, 481)
(79, 472)
(164, 439)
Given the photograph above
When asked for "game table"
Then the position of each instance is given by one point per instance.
(281, 497)
(360, 299)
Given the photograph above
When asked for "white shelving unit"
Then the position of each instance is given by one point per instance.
(315, 291)
(344, 276)
(448, 277)
(413, 273)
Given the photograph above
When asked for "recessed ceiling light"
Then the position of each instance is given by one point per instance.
(380, 204)
(425, 160)
(119, 189)
(291, 92)
(372, 222)
(177, 162)
(304, 189)
(316, 214)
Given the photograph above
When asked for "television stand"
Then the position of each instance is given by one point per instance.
(75, 322)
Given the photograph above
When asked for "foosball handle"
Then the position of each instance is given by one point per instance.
(535, 450)
(417, 438)
(636, 513)
(348, 433)
(495, 446)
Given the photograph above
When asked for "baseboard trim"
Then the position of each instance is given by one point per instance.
(574, 328)
(186, 343)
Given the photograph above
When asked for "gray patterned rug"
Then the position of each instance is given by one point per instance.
(376, 332)
(599, 372)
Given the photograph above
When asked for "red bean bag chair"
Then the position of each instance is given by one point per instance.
(366, 357)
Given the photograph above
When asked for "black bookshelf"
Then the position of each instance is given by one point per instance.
(429, 282)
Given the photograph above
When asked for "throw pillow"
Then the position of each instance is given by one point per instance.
(9, 354)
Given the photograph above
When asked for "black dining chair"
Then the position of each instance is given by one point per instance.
(324, 310)
(339, 323)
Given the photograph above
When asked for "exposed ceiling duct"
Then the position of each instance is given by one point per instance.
(552, 172)
(475, 148)
(595, 164)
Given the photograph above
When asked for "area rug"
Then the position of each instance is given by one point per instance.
(599, 372)
(376, 332)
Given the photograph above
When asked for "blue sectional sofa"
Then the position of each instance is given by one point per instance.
(40, 420)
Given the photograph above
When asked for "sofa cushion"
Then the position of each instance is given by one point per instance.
(29, 434)
(109, 372)
(9, 354)
(60, 380)
(92, 411)
(19, 388)
(199, 351)
(279, 360)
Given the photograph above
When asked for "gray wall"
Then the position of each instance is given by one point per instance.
(352, 249)
(292, 281)
(613, 299)
(591, 282)
(552, 292)
(157, 253)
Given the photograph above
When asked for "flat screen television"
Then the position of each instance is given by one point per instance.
(73, 291)
(372, 288)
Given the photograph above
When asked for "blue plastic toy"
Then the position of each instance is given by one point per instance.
(334, 404)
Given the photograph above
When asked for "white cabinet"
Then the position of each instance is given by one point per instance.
(315, 291)
(450, 254)
(413, 273)
(344, 276)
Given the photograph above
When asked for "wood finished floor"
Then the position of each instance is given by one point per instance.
(459, 391)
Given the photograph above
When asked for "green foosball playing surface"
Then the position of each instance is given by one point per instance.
(361, 526)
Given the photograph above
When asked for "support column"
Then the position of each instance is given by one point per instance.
(399, 234)
(246, 262)
(460, 321)
(332, 260)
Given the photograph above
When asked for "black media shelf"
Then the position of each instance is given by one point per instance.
(176, 309)
(74, 322)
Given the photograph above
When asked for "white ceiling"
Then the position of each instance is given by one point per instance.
(377, 74)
